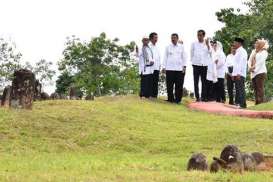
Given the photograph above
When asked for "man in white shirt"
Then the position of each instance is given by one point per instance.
(157, 62)
(239, 71)
(200, 55)
(146, 69)
(230, 81)
(174, 66)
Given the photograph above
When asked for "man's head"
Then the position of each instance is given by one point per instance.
(175, 38)
(238, 42)
(145, 41)
(201, 35)
(153, 37)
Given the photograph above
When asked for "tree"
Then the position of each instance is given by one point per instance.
(9, 61)
(100, 66)
(64, 81)
(43, 70)
(256, 23)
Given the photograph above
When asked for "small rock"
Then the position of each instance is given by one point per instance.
(44, 96)
(198, 162)
(233, 158)
(5, 99)
(249, 162)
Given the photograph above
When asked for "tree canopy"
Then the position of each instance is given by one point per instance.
(99, 67)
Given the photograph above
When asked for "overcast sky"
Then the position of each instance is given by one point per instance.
(40, 27)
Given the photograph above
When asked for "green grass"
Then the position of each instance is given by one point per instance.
(122, 139)
(263, 107)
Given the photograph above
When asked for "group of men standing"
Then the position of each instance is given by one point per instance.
(174, 66)
(149, 66)
(210, 66)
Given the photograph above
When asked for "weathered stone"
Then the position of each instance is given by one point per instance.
(233, 158)
(89, 97)
(5, 99)
(55, 96)
(249, 162)
(75, 93)
(215, 167)
(23, 89)
(38, 90)
(63, 97)
(198, 162)
(72, 93)
(258, 157)
(44, 96)
(218, 164)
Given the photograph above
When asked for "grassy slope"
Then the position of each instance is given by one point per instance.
(265, 107)
(121, 139)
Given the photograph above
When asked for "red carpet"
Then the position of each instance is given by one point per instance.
(223, 109)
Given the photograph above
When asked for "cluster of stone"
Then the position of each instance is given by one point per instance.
(231, 159)
(25, 89)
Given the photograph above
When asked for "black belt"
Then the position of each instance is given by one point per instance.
(230, 69)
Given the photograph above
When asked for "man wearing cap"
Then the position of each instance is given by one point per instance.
(239, 71)
(174, 66)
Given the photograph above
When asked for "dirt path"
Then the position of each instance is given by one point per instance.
(219, 108)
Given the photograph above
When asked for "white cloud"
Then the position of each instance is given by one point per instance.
(39, 27)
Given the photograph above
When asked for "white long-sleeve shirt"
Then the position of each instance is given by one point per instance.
(143, 69)
(212, 71)
(240, 62)
(175, 58)
(230, 60)
(156, 56)
(229, 64)
(200, 54)
(260, 66)
(221, 65)
(218, 70)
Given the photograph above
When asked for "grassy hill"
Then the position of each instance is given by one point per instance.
(121, 139)
(265, 107)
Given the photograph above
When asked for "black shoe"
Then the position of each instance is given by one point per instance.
(178, 102)
(243, 107)
(205, 100)
(198, 100)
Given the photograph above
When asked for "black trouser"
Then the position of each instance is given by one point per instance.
(200, 72)
(240, 92)
(155, 84)
(146, 85)
(230, 88)
(220, 90)
(211, 91)
(175, 78)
